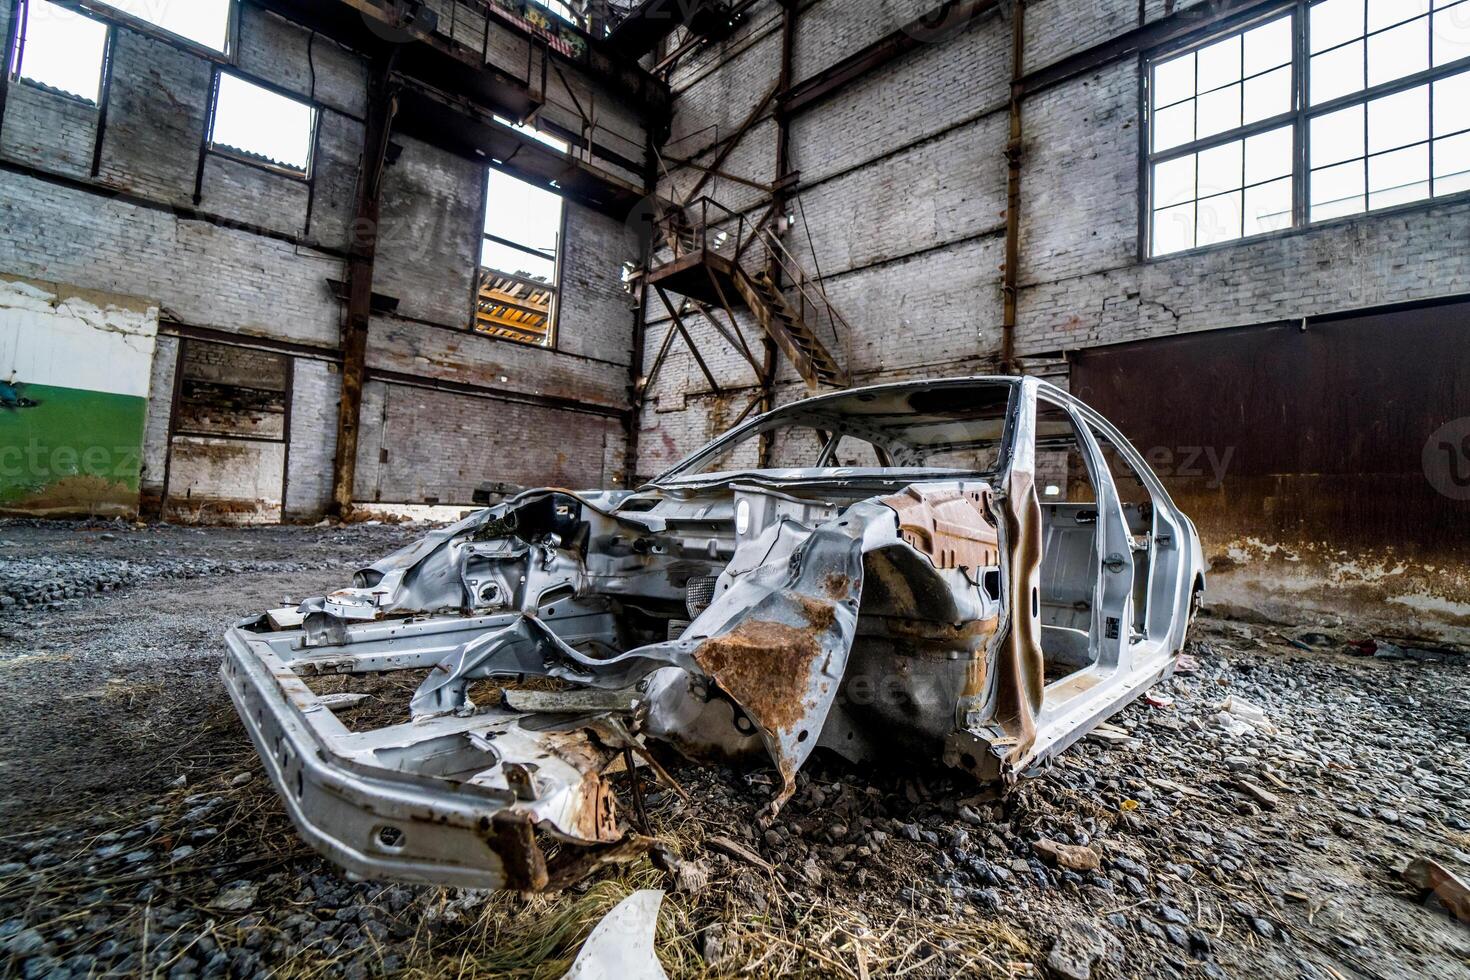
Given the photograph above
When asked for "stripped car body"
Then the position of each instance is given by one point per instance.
(937, 604)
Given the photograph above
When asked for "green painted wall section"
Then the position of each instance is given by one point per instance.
(64, 450)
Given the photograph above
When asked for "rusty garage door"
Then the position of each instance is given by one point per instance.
(1349, 433)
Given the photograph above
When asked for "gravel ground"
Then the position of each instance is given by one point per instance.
(139, 838)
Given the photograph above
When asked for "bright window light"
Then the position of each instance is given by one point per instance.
(1372, 96)
(518, 258)
(205, 22)
(527, 217)
(560, 9)
(61, 50)
(535, 134)
(261, 125)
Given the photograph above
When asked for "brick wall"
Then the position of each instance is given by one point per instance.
(316, 388)
(160, 407)
(437, 447)
(903, 185)
(254, 254)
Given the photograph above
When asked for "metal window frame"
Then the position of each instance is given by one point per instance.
(15, 63)
(1299, 117)
(553, 318)
(242, 155)
(105, 10)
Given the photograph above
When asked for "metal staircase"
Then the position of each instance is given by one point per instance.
(717, 258)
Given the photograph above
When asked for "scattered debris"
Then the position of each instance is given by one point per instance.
(1241, 717)
(737, 850)
(1434, 879)
(236, 897)
(621, 945)
(1265, 798)
(1071, 856)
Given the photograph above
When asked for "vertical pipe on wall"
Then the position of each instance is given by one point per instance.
(1014, 154)
(362, 253)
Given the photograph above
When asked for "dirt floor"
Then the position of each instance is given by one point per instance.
(137, 836)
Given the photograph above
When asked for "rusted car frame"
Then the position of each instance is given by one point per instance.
(936, 595)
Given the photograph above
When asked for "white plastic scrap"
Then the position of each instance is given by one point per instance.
(621, 945)
(1241, 717)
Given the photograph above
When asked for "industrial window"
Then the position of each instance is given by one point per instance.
(519, 280)
(59, 50)
(1317, 111)
(561, 9)
(204, 22)
(261, 126)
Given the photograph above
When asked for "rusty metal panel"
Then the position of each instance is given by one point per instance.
(1331, 432)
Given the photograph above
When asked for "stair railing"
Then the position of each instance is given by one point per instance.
(811, 291)
(706, 224)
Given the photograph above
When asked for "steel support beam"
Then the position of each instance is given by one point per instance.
(362, 255)
(1217, 15)
(937, 25)
(1015, 154)
(766, 396)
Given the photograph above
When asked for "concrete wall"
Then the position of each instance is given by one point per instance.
(75, 371)
(902, 193)
(253, 256)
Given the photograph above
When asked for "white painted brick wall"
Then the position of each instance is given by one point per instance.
(316, 388)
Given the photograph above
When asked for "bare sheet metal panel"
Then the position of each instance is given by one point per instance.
(1343, 433)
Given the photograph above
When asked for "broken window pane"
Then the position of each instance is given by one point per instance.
(61, 50)
(518, 261)
(205, 22)
(262, 126)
